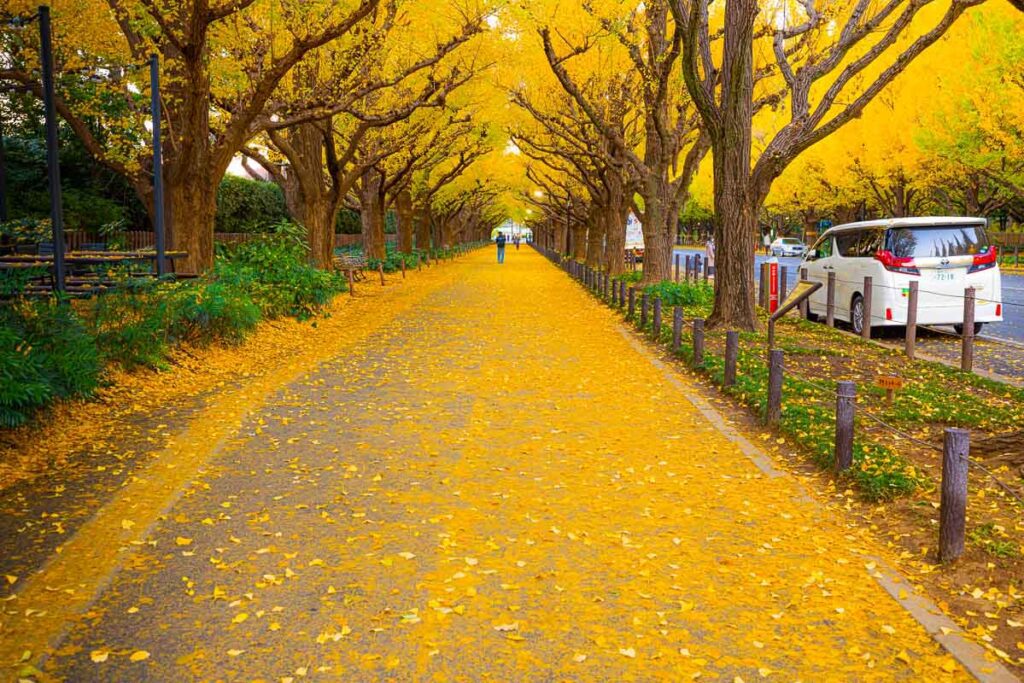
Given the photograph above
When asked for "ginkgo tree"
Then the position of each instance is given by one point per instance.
(819, 65)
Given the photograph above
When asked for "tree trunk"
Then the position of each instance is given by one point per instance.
(658, 225)
(579, 240)
(737, 200)
(371, 214)
(190, 181)
(595, 237)
(403, 209)
(615, 238)
(311, 201)
(422, 219)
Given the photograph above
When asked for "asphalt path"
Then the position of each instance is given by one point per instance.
(1011, 328)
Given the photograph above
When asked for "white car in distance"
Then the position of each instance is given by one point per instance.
(787, 246)
(943, 255)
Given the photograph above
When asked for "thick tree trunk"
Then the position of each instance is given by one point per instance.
(737, 200)
(310, 200)
(615, 240)
(403, 209)
(190, 181)
(579, 240)
(371, 214)
(561, 236)
(422, 218)
(658, 224)
(595, 237)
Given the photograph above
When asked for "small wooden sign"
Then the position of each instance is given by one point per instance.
(890, 383)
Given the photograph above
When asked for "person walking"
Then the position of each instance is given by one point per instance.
(500, 241)
(709, 254)
(517, 240)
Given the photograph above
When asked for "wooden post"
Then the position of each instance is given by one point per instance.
(380, 269)
(956, 447)
(608, 284)
(911, 340)
(732, 351)
(773, 414)
(656, 322)
(689, 267)
(868, 287)
(803, 304)
(632, 303)
(967, 338)
(643, 310)
(696, 268)
(707, 269)
(830, 300)
(351, 283)
(677, 267)
(403, 266)
(762, 287)
(783, 284)
(622, 293)
(846, 406)
(419, 262)
(677, 328)
(698, 343)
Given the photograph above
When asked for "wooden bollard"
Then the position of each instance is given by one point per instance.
(607, 285)
(866, 326)
(707, 269)
(956, 447)
(380, 269)
(696, 268)
(403, 266)
(632, 303)
(783, 282)
(677, 267)
(803, 304)
(830, 300)
(698, 343)
(622, 293)
(773, 412)
(419, 263)
(911, 340)
(732, 352)
(967, 337)
(689, 265)
(677, 328)
(656, 320)
(643, 310)
(762, 287)
(846, 408)
(351, 283)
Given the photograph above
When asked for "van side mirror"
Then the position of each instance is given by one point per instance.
(811, 254)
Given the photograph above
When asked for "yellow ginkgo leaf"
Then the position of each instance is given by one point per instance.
(139, 655)
(181, 540)
(240, 617)
(99, 656)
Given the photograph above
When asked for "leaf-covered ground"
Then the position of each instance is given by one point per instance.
(481, 480)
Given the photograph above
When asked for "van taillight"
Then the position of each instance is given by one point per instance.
(984, 261)
(888, 314)
(896, 264)
(999, 310)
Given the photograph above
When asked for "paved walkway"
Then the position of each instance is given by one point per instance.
(497, 486)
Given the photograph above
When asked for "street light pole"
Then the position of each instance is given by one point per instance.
(52, 152)
(158, 167)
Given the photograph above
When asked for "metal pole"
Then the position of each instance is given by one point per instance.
(52, 151)
(158, 167)
(3, 177)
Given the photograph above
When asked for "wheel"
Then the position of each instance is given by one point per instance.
(812, 317)
(960, 329)
(857, 314)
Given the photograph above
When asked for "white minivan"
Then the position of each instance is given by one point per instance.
(944, 255)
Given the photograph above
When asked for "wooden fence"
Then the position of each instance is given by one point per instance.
(144, 239)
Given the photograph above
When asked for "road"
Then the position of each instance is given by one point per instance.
(470, 493)
(1012, 327)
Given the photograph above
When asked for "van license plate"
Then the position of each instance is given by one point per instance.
(944, 275)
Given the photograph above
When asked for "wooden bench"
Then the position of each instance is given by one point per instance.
(351, 263)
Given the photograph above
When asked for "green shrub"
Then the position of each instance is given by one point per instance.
(46, 353)
(275, 271)
(682, 293)
(245, 205)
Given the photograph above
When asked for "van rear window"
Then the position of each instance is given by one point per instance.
(937, 241)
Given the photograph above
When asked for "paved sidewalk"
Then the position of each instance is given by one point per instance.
(497, 486)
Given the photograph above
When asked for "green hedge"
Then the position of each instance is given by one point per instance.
(245, 205)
